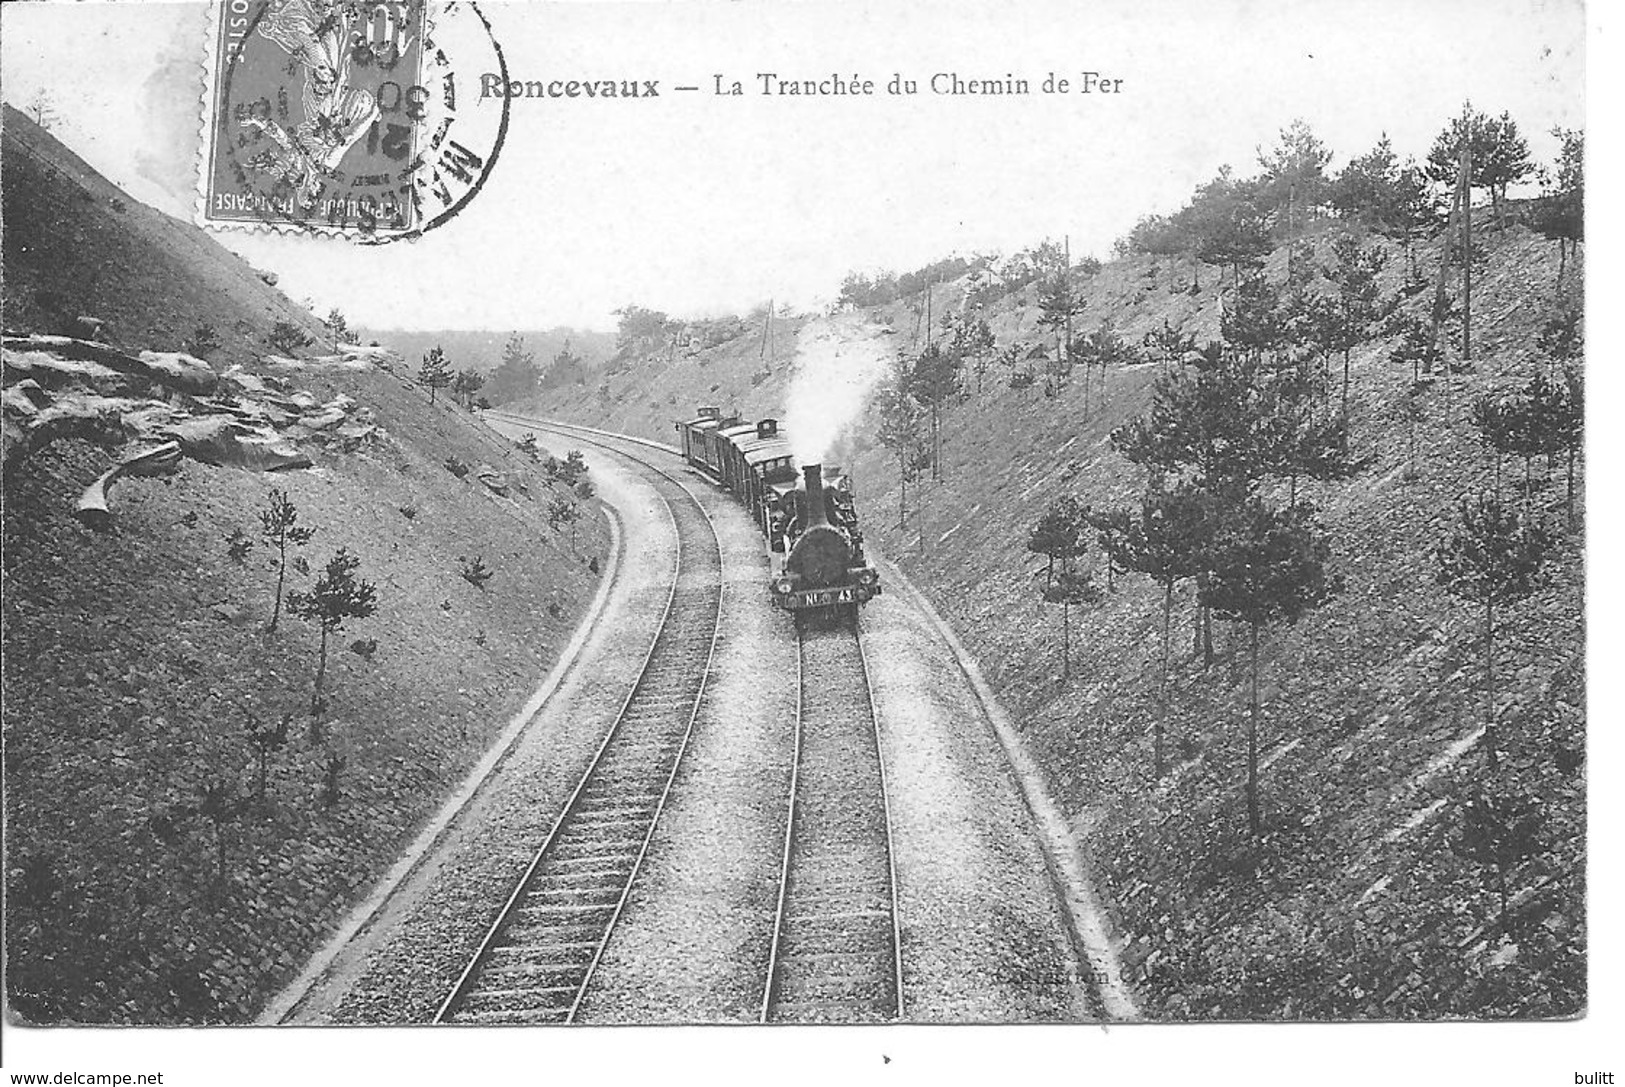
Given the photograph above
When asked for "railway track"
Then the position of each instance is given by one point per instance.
(835, 954)
(538, 957)
(837, 951)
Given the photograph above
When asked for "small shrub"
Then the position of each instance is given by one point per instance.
(554, 611)
(203, 341)
(479, 637)
(364, 648)
(475, 572)
(288, 337)
(332, 770)
(266, 741)
(409, 512)
(238, 545)
(456, 467)
(593, 565)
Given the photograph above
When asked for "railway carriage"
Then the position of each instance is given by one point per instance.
(808, 515)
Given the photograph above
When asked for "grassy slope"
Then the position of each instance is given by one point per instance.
(1348, 909)
(133, 659)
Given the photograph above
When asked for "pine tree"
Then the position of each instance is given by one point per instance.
(337, 327)
(934, 381)
(903, 431)
(1498, 833)
(1058, 535)
(1499, 154)
(516, 377)
(436, 372)
(1165, 542)
(1560, 212)
(1492, 559)
(1568, 426)
(564, 512)
(465, 385)
(279, 525)
(1058, 305)
(337, 597)
(1357, 308)
(1267, 566)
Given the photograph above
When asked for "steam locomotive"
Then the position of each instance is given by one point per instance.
(808, 517)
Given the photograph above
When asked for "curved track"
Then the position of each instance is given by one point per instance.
(535, 963)
(837, 948)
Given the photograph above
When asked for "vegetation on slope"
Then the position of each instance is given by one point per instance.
(1406, 862)
(187, 817)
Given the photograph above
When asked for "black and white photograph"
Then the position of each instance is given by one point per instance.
(813, 540)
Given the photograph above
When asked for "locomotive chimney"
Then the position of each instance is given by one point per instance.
(816, 514)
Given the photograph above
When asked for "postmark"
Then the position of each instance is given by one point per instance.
(355, 118)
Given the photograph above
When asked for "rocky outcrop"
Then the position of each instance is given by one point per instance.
(59, 387)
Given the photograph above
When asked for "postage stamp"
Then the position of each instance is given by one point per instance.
(345, 117)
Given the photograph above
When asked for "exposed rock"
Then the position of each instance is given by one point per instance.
(493, 479)
(182, 371)
(158, 460)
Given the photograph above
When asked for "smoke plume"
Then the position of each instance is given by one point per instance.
(838, 362)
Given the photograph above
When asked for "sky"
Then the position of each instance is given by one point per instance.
(700, 204)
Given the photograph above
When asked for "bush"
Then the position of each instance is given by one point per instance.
(203, 341)
(288, 337)
(456, 467)
(238, 545)
(475, 572)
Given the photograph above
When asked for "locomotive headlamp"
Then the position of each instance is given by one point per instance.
(781, 584)
(868, 576)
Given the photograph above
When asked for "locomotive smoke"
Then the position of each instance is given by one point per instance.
(838, 363)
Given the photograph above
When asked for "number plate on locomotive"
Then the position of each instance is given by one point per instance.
(814, 598)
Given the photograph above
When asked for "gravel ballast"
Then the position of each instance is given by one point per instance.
(400, 969)
(984, 935)
(692, 945)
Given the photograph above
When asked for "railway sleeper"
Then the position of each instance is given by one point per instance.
(544, 952)
(838, 918)
(583, 845)
(519, 997)
(592, 824)
(569, 905)
(843, 942)
(872, 992)
(832, 1011)
(519, 976)
(497, 1017)
(555, 932)
(826, 898)
(589, 865)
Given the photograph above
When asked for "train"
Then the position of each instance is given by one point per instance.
(806, 513)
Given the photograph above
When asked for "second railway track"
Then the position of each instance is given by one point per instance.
(538, 957)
